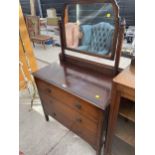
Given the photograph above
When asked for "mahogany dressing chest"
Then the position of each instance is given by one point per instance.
(77, 91)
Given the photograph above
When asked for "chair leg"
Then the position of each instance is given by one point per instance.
(33, 44)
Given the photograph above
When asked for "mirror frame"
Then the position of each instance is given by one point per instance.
(116, 24)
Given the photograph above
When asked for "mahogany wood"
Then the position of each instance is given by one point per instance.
(75, 103)
(83, 63)
(78, 96)
(62, 58)
(82, 83)
(70, 118)
(110, 70)
(119, 45)
(77, 92)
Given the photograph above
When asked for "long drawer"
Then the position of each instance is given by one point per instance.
(79, 105)
(77, 123)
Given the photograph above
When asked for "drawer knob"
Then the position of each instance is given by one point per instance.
(78, 106)
(49, 90)
(79, 120)
(54, 114)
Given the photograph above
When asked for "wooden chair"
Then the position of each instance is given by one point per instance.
(33, 26)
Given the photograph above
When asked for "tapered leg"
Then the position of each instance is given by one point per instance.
(98, 151)
(46, 117)
(100, 133)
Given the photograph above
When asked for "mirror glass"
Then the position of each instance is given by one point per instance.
(90, 28)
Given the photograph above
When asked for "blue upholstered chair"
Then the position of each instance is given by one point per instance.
(97, 38)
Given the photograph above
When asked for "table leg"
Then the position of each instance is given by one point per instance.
(114, 108)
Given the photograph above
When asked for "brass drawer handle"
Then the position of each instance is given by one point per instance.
(79, 120)
(78, 106)
(48, 90)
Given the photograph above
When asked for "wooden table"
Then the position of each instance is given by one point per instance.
(123, 86)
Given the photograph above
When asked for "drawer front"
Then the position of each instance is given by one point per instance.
(77, 104)
(79, 124)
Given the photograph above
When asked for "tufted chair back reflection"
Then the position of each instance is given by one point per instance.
(99, 41)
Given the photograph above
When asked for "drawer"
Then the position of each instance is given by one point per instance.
(77, 104)
(70, 118)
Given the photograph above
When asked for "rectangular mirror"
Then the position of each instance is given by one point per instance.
(91, 28)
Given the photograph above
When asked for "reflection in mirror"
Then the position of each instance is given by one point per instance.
(90, 28)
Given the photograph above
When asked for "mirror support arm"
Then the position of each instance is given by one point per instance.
(119, 45)
(62, 54)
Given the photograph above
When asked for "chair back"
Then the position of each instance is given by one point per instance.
(97, 38)
(33, 25)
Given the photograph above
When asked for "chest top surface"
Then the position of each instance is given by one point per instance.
(90, 86)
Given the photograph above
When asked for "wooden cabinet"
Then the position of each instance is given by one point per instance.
(77, 92)
(77, 98)
(121, 127)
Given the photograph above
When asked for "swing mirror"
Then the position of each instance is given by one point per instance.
(91, 28)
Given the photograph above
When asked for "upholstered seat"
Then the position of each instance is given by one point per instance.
(97, 38)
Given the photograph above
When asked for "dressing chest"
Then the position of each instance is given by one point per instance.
(76, 98)
(77, 91)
